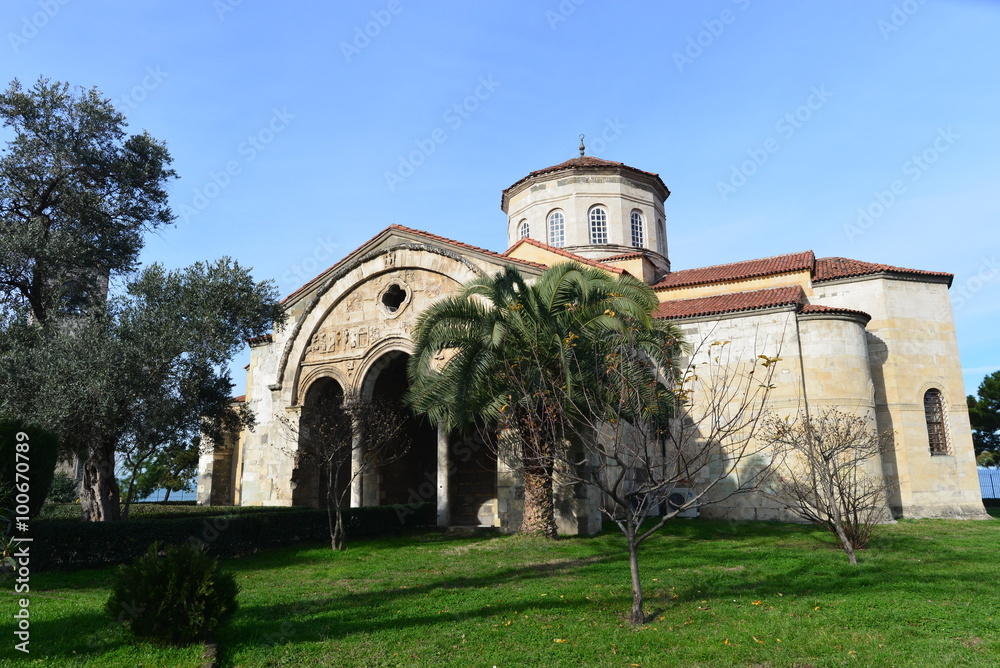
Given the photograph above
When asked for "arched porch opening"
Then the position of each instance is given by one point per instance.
(414, 477)
(323, 439)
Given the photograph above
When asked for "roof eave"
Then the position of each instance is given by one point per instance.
(637, 175)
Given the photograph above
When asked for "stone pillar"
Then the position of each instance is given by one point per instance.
(357, 500)
(443, 497)
(206, 462)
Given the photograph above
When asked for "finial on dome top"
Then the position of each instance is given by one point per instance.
(583, 149)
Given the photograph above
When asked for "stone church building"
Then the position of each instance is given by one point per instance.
(869, 338)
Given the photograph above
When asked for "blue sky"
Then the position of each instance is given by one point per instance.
(295, 127)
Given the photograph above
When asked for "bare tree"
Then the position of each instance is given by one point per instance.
(827, 477)
(346, 438)
(657, 442)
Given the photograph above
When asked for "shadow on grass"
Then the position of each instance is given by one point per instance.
(80, 638)
(331, 618)
(708, 559)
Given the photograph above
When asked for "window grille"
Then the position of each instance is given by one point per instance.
(598, 226)
(637, 235)
(937, 434)
(557, 229)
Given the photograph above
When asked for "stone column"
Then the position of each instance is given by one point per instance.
(443, 497)
(357, 500)
(206, 462)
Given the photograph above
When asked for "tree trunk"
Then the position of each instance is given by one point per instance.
(99, 495)
(127, 506)
(845, 541)
(838, 519)
(539, 511)
(338, 532)
(166, 497)
(334, 515)
(637, 616)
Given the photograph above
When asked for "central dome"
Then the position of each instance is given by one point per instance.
(593, 207)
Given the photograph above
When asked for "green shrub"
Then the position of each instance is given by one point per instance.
(38, 453)
(178, 598)
(64, 489)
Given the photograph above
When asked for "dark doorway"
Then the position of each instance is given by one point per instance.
(413, 478)
(473, 483)
(321, 420)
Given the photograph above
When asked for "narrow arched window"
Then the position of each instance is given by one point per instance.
(637, 233)
(523, 231)
(557, 229)
(598, 225)
(937, 433)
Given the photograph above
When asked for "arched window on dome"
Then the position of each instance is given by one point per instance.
(523, 231)
(598, 225)
(937, 430)
(557, 229)
(638, 238)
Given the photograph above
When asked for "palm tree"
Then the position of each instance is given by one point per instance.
(496, 352)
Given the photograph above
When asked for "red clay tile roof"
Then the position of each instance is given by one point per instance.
(411, 230)
(818, 308)
(587, 163)
(242, 398)
(737, 301)
(623, 256)
(735, 271)
(464, 245)
(566, 254)
(829, 268)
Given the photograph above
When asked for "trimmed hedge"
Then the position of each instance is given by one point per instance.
(39, 461)
(71, 511)
(71, 544)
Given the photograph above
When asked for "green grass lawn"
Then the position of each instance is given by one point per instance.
(724, 594)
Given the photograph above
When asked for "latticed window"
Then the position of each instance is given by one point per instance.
(637, 236)
(598, 225)
(523, 230)
(557, 229)
(937, 434)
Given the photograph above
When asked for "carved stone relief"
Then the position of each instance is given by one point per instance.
(381, 307)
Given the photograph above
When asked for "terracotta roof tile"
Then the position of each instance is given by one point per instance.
(446, 240)
(255, 340)
(586, 162)
(241, 399)
(729, 303)
(819, 308)
(736, 271)
(623, 256)
(829, 268)
(566, 254)
(428, 235)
